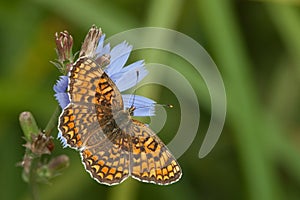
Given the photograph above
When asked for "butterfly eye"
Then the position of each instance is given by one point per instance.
(131, 110)
(135, 140)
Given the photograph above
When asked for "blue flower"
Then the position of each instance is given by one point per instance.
(123, 77)
(60, 89)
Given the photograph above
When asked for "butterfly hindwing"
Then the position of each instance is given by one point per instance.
(76, 124)
(108, 160)
(151, 161)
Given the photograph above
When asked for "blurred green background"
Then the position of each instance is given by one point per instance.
(256, 46)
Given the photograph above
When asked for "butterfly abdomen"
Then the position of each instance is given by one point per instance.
(122, 119)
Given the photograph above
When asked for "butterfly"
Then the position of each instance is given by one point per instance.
(112, 145)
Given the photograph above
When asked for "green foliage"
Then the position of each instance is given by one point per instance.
(255, 46)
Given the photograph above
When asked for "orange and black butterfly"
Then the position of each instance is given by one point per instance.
(112, 145)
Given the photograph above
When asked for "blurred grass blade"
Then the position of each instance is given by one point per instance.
(85, 13)
(244, 110)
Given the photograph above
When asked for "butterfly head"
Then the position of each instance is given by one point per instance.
(131, 110)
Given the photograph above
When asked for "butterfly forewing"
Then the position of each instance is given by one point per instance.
(89, 84)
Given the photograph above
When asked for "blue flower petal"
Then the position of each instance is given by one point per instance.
(62, 140)
(118, 57)
(101, 49)
(63, 99)
(106, 49)
(134, 67)
(100, 43)
(130, 75)
(143, 105)
(60, 89)
(61, 84)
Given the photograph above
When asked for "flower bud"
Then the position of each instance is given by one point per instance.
(58, 163)
(28, 125)
(64, 45)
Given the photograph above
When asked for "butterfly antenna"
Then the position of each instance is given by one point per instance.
(132, 108)
(156, 104)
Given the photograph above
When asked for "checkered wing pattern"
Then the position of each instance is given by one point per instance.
(88, 126)
(151, 161)
(112, 145)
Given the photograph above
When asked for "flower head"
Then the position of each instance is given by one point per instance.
(124, 77)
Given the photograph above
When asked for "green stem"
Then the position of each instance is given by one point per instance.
(33, 185)
(52, 122)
